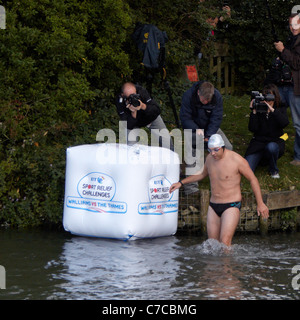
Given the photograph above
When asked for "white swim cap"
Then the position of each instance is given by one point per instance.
(215, 141)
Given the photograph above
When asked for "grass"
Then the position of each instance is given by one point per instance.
(235, 126)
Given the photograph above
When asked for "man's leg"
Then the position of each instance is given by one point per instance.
(164, 138)
(295, 111)
(287, 96)
(272, 154)
(229, 222)
(213, 224)
(254, 159)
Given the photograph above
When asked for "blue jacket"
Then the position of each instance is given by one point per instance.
(194, 115)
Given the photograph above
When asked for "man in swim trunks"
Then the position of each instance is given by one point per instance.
(225, 169)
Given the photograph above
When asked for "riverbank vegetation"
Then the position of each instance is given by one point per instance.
(61, 63)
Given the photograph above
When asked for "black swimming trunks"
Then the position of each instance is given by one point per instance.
(219, 208)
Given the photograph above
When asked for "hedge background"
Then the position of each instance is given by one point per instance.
(61, 63)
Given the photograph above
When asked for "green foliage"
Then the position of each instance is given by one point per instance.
(289, 219)
(248, 33)
(107, 33)
(62, 61)
(251, 39)
(185, 24)
(56, 61)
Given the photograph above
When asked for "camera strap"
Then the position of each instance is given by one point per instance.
(272, 23)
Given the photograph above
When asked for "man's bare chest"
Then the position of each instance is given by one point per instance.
(221, 171)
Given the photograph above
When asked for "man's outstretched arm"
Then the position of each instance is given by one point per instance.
(247, 172)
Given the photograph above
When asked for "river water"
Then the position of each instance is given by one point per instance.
(57, 265)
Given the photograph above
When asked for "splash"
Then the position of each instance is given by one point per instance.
(214, 248)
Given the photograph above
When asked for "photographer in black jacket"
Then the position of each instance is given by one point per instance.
(267, 125)
(135, 106)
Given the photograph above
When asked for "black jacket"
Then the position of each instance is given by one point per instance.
(194, 115)
(267, 129)
(144, 117)
(291, 56)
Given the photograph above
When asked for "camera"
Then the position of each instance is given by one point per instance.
(133, 99)
(259, 98)
(285, 71)
(280, 73)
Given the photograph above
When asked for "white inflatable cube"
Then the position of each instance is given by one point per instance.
(120, 191)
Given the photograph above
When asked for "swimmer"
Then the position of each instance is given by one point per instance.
(225, 169)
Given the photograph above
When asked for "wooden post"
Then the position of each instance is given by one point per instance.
(263, 226)
(204, 203)
(226, 78)
(217, 65)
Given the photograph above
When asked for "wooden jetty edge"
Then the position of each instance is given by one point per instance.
(193, 210)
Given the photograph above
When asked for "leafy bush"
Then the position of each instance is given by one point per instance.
(251, 39)
(56, 60)
(62, 62)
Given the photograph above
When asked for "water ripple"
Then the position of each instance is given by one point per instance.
(56, 266)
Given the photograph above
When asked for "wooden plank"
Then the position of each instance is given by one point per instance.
(282, 199)
(274, 200)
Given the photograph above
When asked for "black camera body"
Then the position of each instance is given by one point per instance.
(259, 98)
(133, 99)
(280, 73)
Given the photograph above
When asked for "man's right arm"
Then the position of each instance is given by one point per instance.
(124, 114)
(200, 175)
(247, 172)
(186, 113)
(216, 116)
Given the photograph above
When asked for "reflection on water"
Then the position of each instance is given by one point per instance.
(253, 269)
(54, 265)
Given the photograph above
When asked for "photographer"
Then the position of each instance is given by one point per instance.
(267, 120)
(135, 106)
(290, 94)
